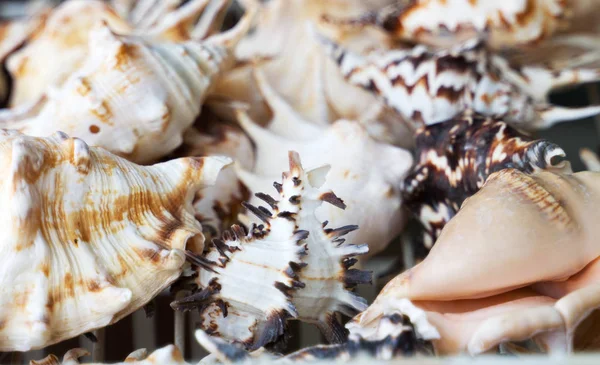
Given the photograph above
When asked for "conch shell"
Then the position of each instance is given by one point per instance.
(168, 355)
(520, 259)
(292, 268)
(427, 86)
(456, 157)
(88, 237)
(132, 96)
(364, 173)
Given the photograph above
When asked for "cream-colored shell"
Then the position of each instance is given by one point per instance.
(132, 96)
(364, 173)
(88, 237)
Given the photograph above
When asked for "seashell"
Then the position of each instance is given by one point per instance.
(168, 355)
(590, 159)
(294, 247)
(428, 87)
(293, 64)
(443, 23)
(456, 157)
(536, 232)
(131, 96)
(218, 207)
(73, 265)
(396, 338)
(364, 173)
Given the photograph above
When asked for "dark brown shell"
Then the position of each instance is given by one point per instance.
(456, 157)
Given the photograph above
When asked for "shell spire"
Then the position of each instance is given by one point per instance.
(89, 237)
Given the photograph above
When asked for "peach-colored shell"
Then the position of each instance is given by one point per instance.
(168, 355)
(537, 231)
(88, 237)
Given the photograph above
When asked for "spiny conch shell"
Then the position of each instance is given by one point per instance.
(442, 23)
(217, 207)
(168, 355)
(537, 232)
(89, 237)
(456, 157)
(366, 174)
(241, 301)
(302, 74)
(396, 338)
(134, 97)
(427, 87)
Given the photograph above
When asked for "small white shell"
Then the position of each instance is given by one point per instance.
(88, 237)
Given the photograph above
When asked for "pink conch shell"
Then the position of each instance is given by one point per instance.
(427, 87)
(88, 237)
(132, 96)
(537, 231)
(364, 173)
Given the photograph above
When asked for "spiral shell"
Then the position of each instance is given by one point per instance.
(132, 96)
(427, 86)
(88, 237)
(456, 157)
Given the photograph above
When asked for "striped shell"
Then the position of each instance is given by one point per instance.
(442, 22)
(290, 267)
(88, 237)
(427, 87)
(364, 173)
(131, 96)
(520, 259)
(456, 157)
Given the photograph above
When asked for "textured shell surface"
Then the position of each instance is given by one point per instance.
(456, 157)
(310, 263)
(168, 355)
(520, 230)
(58, 48)
(427, 86)
(441, 22)
(364, 173)
(88, 237)
(217, 207)
(132, 96)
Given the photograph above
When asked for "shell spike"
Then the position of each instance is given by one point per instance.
(318, 176)
(556, 114)
(81, 155)
(232, 37)
(295, 163)
(225, 352)
(590, 160)
(182, 18)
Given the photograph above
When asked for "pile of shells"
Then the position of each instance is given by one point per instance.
(250, 157)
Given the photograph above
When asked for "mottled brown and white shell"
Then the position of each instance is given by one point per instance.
(364, 173)
(88, 237)
(427, 86)
(133, 96)
(168, 355)
(519, 260)
(294, 268)
(455, 158)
